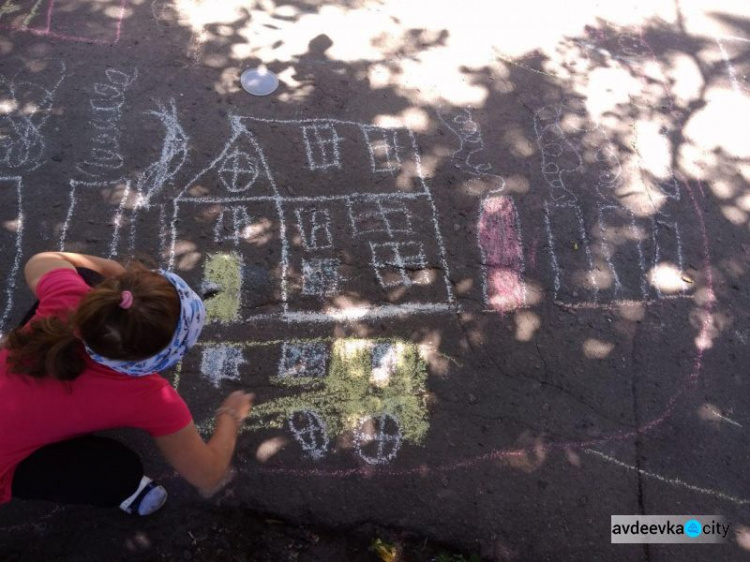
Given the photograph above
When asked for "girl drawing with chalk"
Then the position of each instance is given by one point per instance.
(87, 359)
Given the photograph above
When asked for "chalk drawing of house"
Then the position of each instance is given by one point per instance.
(326, 187)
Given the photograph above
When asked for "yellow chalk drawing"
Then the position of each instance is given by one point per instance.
(9, 7)
(225, 270)
(350, 392)
(33, 12)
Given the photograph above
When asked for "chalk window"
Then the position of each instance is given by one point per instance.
(322, 146)
(222, 362)
(383, 147)
(320, 277)
(303, 360)
(382, 215)
(233, 224)
(399, 264)
(314, 228)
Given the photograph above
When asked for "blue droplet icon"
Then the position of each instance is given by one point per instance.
(693, 528)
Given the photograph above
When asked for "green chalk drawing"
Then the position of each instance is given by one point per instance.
(224, 269)
(352, 391)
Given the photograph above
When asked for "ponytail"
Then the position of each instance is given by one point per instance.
(46, 347)
(128, 317)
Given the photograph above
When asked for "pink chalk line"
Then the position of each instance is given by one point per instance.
(500, 244)
(505, 454)
(65, 37)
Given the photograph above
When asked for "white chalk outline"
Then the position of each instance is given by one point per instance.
(29, 143)
(381, 214)
(10, 284)
(117, 220)
(236, 169)
(636, 239)
(550, 170)
(470, 142)
(583, 240)
(382, 144)
(107, 159)
(174, 153)
(669, 225)
(671, 481)
(318, 351)
(380, 437)
(322, 143)
(240, 220)
(239, 129)
(320, 270)
(401, 262)
(311, 242)
(227, 360)
(311, 448)
(730, 69)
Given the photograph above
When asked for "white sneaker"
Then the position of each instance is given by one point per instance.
(148, 498)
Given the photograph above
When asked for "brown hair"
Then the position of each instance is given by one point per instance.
(51, 346)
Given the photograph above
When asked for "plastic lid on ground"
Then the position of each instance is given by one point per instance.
(259, 81)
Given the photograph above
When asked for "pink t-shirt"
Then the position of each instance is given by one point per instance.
(36, 412)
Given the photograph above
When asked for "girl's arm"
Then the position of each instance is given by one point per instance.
(205, 465)
(39, 264)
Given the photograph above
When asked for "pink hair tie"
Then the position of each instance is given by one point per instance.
(127, 300)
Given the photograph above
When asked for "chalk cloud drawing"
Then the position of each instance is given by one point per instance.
(11, 240)
(501, 246)
(24, 110)
(309, 430)
(221, 363)
(65, 20)
(300, 230)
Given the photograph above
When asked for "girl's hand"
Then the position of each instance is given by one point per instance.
(238, 405)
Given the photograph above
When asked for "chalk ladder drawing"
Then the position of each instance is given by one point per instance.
(374, 390)
(57, 19)
(242, 171)
(11, 240)
(25, 105)
(501, 247)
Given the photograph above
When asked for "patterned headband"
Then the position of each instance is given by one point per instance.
(189, 326)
